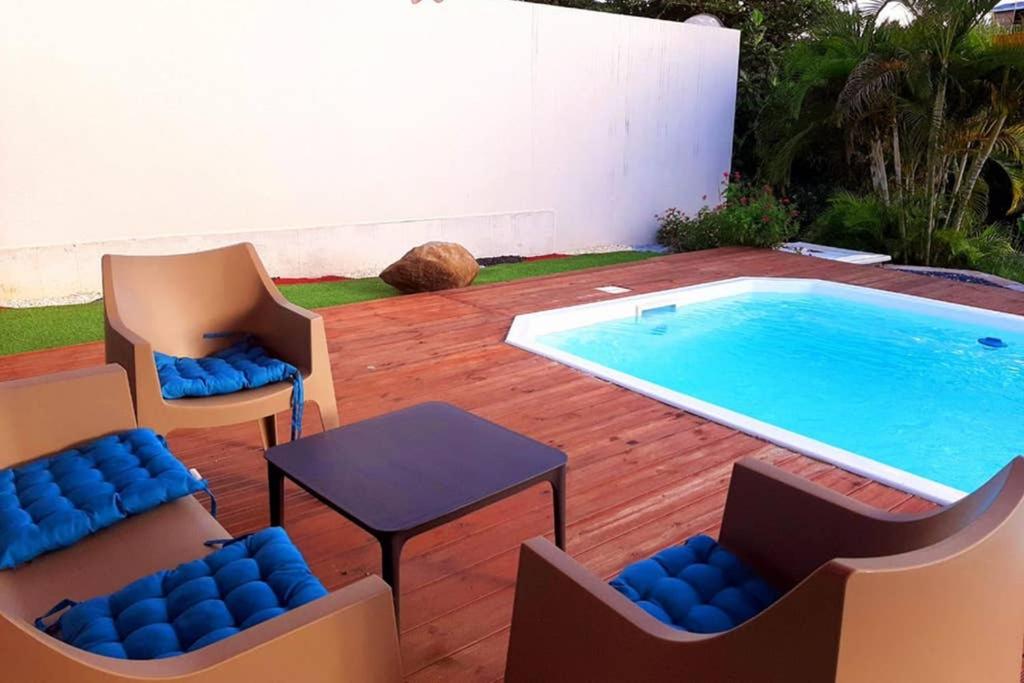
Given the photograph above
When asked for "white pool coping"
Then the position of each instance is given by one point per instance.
(527, 328)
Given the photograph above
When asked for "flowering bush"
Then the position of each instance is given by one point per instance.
(747, 216)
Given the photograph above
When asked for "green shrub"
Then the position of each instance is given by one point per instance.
(747, 216)
(990, 249)
(869, 224)
(864, 223)
(680, 232)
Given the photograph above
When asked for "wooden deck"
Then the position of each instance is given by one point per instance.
(642, 475)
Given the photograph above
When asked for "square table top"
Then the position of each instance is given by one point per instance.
(414, 467)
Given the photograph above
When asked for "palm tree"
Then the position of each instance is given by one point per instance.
(922, 107)
(992, 75)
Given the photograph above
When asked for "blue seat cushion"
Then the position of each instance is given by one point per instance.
(699, 587)
(171, 612)
(243, 365)
(56, 501)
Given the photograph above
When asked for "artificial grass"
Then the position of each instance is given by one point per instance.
(322, 294)
(31, 329)
(516, 271)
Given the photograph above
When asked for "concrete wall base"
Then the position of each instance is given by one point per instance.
(36, 276)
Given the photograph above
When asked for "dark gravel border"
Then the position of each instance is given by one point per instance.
(957, 277)
(972, 277)
(499, 260)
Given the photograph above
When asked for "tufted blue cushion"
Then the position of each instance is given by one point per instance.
(699, 587)
(56, 501)
(245, 365)
(171, 612)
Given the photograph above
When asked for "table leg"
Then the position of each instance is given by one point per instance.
(390, 562)
(275, 479)
(558, 497)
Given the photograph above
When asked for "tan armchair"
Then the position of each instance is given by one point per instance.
(871, 596)
(168, 304)
(349, 636)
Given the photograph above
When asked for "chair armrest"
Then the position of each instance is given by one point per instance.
(133, 353)
(291, 333)
(348, 636)
(569, 625)
(786, 526)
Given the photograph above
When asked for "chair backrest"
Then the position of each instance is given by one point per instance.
(903, 534)
(952, 609)
(834, 525)
(965, 514)
(46, 414)
(172, 301)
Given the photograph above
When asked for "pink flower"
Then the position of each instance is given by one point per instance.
(785, 201)
(766, 219)
(744, 201)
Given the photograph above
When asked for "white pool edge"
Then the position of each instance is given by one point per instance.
(527, 328)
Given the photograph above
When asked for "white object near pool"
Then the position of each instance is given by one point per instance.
(863, 258)
(920, 394)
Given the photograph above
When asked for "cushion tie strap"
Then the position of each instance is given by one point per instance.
(224, 335)
(213, 502)
(204, 486)
(298, 404)
(59, 607)
(224, 542)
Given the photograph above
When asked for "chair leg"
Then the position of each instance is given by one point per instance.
(268, 431)
(328, 408)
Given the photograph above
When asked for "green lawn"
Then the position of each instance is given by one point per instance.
(29, 329)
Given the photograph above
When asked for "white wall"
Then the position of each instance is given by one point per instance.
(122, 121)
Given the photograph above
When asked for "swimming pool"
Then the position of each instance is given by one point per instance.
(891, 386)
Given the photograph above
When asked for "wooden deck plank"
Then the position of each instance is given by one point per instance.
(642, 475)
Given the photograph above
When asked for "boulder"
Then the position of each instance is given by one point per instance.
(431, 267)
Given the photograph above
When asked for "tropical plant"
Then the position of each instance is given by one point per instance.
(869, 223)
(864, 223)
(915, 114)
(748, 215)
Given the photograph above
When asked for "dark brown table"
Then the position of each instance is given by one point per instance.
(404, 473)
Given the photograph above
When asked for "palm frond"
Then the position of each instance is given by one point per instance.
(872, 84)
(779, 165)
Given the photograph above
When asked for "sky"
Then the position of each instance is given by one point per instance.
(899, 13)
(895, 12)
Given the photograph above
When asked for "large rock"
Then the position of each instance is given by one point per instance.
(431, 267)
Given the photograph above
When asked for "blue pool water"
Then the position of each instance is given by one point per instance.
(914, 391)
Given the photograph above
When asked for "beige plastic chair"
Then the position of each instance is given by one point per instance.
(871, 596)
(349, 636)
(167, 304)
